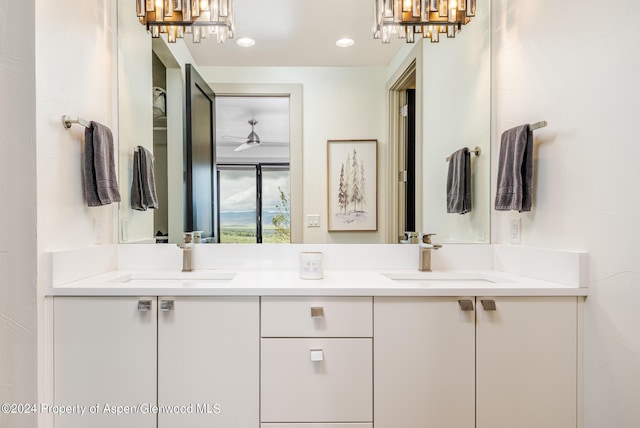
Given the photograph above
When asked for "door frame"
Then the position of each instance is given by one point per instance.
(409, 73)
(195, 82)
(294, 92)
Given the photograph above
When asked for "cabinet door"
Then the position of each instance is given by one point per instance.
(424, 366)
(208, 355)
(105, 355)
(526, 363)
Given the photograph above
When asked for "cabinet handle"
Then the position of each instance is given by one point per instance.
(488, 305)
(166, 305)
(317, 312)
(144, 305)
(317, 355)
(466, 305)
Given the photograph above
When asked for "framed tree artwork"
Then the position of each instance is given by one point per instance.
(352, 173)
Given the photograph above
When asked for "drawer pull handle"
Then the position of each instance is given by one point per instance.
(317, 355)
(144, 305)
(488, 305)
(317, 312)
(166, 305)
(466, 305)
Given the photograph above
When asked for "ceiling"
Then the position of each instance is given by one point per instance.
(298, 33)
(232, 117)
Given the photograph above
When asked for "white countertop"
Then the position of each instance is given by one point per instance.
(334, 283)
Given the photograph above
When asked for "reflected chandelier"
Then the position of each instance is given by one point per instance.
(202, 18)
(430, 18)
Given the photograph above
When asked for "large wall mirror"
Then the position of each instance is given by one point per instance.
(328, 93)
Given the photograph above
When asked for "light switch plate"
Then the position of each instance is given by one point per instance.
(313, 220)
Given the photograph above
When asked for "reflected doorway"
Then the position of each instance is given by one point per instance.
(254, 185)
(403, 124)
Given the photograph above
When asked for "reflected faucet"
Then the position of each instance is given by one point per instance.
(186, 256)
(426, 246)
(187, 246)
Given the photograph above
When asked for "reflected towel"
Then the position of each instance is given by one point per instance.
(515, 170)
(459, 182)
(143, 186)
(100, 180)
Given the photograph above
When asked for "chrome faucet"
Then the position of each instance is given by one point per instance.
(426, 246)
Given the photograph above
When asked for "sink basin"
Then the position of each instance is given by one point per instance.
(172, 277)
(445, 279)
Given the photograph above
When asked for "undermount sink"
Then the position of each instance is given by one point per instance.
(444, 279)
(164, 277)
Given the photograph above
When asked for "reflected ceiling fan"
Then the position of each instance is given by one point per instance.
(250, 141)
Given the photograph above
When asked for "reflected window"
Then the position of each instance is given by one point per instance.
(254, 203)
(276, 225)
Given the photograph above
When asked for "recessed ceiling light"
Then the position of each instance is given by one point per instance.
(345, 43)
(246, 42)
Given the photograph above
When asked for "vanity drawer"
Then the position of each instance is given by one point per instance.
(337, 386)
(317, 317)
(367, 425)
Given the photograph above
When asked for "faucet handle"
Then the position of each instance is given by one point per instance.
(425, 238)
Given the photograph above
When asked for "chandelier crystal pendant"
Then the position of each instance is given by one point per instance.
(411, 18)
(175, 18)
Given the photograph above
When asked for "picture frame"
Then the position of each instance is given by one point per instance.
(352, 185)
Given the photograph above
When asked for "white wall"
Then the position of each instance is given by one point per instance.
(74, 70)
(135, 115)
(18, 322)
(75, 43)
(456, 114)
(339, 104)
(558, 61)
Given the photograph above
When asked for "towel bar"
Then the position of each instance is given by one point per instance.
(538, 125)
(475, 151)
(67, 121)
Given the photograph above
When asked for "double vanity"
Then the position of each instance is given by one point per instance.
(247, 346)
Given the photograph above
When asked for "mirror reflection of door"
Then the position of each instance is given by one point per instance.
(200, 159)
(403, 124)
(161, 214)
(253, 169)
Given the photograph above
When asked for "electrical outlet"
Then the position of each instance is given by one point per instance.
(313, 220)
(125, 229)
(97, 231)
(516, 229)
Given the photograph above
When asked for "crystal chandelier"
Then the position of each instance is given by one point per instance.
(430, 18)
(201, 18)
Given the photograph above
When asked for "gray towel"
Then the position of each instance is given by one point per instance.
(515, 170)
(143, 186)
(459, 182)
(100, 180)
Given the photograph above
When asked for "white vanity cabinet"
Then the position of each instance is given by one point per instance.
(316, 362)
(511, 362)
(526, 358)
(424, 363)
(196, 359)
(105, 355)
(208, 358)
